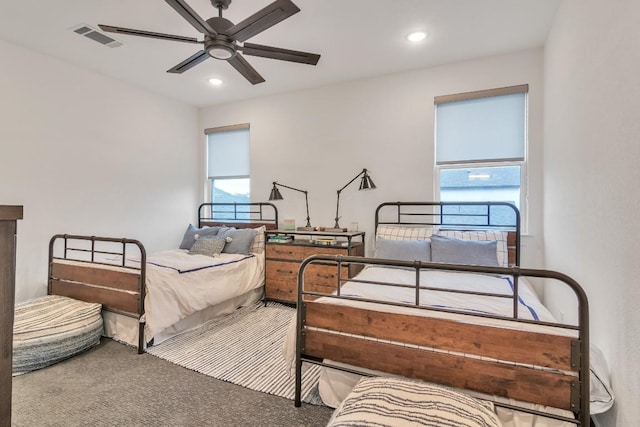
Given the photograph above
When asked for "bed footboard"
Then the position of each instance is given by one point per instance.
(542, 363)
(95, 269)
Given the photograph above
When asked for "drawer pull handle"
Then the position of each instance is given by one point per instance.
(325, 276)
(283, 252)
(284, 271)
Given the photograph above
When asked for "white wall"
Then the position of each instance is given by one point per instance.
(591, 196)
(319, 139)
(87, 154)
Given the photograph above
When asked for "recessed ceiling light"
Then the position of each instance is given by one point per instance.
(417, 36)
(215, 82)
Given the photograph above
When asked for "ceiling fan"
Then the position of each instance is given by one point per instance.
(221, 37)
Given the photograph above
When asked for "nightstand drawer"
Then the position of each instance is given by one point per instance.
(275, 292)
(285, 251)
(323, 278)
(324, 250)
(282, 280)
(282, 270)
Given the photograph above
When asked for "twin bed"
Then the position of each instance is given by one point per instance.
(416, 311)
(147, 298)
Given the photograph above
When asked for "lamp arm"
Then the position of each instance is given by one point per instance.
(306, 198)
(354, 178)
(337, 225)
(306, 201)
(290, 188)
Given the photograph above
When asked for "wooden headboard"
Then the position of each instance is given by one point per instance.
(457, 216)
(238, 215)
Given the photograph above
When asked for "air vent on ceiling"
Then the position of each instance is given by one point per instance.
(95, 35)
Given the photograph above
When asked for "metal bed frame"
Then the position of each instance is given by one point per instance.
(323, 332)
(119, 291)
(239, 214)
(122, 289)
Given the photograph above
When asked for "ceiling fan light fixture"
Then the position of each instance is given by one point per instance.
(221, 52)
(417, 36)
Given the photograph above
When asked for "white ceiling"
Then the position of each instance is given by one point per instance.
(355, 38)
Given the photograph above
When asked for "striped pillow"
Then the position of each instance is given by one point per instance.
(399, 402)
(500, 237)
(208, 245)
(396, 232)
(257, 247)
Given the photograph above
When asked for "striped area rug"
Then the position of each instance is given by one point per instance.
(243, 348)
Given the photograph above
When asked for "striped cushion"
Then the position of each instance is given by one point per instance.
(208, 245)
(257, 247)
(399, 402)
(52, 328)
(397, 232)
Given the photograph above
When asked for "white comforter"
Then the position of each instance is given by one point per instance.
(180, 284)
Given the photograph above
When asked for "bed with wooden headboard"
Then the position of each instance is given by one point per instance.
(147, 298)
(476, 328)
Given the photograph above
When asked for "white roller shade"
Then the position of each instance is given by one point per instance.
(228, 153)
(481, 129)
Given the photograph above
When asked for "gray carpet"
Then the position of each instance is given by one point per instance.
(111, 385)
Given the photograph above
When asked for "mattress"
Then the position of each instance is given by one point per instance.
(53, 328)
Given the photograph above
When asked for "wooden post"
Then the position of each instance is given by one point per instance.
(8, 226)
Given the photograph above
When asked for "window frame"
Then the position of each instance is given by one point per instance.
(209, 180)
(523, 163)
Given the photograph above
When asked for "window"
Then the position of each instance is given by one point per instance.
(480, 142)
(228, 164)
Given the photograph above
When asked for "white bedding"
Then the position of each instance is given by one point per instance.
(334, 385)
(180, 286)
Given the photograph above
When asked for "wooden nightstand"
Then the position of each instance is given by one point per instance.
(283, 261)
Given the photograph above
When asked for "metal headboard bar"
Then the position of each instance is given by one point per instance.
(438, 216)
(238, 212)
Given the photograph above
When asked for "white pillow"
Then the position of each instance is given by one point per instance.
(502, 254)
(398, 232)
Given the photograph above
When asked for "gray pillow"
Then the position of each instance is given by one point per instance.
(208, 245)
(469, 252)
(403, 250)
(241, 240)
(189, 237)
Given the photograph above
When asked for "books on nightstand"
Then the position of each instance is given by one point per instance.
(280, 239)
(324, 241)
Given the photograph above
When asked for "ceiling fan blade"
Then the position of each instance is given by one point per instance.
(277, 11)
(244, 68)
(192, 17)
(190, 62)
(281, 54)
(132, 32)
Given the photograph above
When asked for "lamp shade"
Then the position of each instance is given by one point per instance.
(275, 193)
(366, 183)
